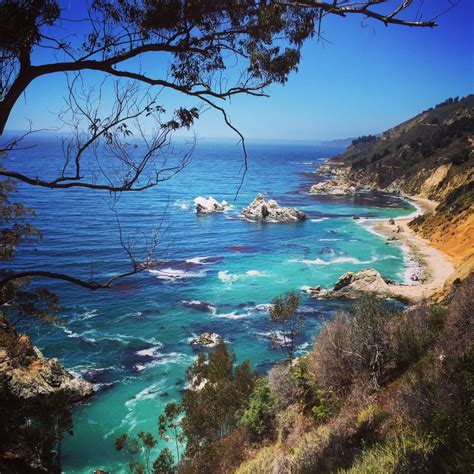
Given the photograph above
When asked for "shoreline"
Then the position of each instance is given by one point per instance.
(428, 268)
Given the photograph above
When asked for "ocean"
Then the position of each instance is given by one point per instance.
(133, 341)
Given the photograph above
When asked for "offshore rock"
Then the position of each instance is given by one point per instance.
(354, 285)
(270, 211)
(206, 339)
(209, 205)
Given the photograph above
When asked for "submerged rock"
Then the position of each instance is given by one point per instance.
(354, 285)
(199, 305)
(270, 211)
(209, 205)
(206, 339)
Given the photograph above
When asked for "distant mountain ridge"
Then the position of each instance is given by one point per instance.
(338, 142)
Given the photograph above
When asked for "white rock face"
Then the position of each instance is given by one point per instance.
(354, 285)
(270, 211)
(333, 187)
(209, 205)
(206, 339)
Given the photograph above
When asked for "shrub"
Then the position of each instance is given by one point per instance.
(412, 332)
(331, 361)
(288, 421)
(284, 317)
(369, 418)
(231, 451)
(259, 415)
(262, 463)
(283, 385)
(404, 453)
(369, 345)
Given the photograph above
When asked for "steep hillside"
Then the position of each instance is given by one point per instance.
(430, 156)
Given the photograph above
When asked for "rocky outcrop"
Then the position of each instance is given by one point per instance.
(333, 187)
(209, 205)
(270, 211)
(36, 395)
(354, 285)
(206, 339)
(26, 374)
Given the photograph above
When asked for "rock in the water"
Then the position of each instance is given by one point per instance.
(199, 305)
(354, 285)
(209, 205)
(333, 187)
(270, 211)
(206, 339)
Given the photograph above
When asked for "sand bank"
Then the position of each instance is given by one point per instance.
(428, 268)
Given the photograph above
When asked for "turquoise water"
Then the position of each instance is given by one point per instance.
(132, 341)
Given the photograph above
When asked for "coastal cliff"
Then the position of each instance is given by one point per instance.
(37, 394)
(429, 157)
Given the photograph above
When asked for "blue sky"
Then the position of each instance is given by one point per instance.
(367, 78)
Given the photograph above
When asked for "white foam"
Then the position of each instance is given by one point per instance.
(165, 359)
(70, 333)
(197, 260)
(227, 277)
(150, 352)
(78, 336)
(172, 274)
(339, 260)
(148, 393)
(233, 315)
(277, 337)
(183, 205)
(255, 273)
(89, 314)
(320, 219)
(330, 240)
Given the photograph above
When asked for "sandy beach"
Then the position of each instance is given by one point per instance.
(429, 269)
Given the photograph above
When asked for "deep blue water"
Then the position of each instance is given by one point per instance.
(132, 341)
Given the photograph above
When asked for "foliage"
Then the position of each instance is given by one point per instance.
(134, 447)
(218, 391)
(405, 399)
(283, 385)
(164, 463)
(168, 421)
(15, 229)
(364, 139)
(259, 414)
(369, 340)
(286, 319)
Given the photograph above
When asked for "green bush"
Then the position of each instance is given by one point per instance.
(259, 415)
